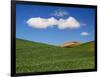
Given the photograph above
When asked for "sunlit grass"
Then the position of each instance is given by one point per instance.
(39, 57)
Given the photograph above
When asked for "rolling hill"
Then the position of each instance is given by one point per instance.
(39, 57)
(70, 44)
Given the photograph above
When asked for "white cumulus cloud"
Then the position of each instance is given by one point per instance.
(84, 33)
(43, 23)
(70, 22)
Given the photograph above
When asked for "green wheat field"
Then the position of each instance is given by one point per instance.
(40, 57)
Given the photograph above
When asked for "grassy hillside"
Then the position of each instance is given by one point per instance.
(39, 57)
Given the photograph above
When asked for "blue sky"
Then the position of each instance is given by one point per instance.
(53, 24)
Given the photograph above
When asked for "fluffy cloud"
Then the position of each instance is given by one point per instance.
(70, 22)
(38, 22)
(84, 33)
(41, 22)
